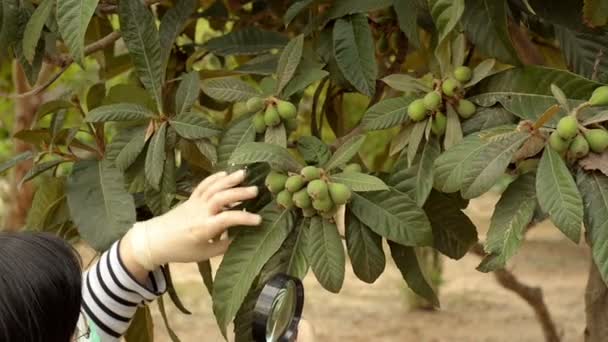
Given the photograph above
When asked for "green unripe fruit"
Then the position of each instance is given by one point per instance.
(599, 97)
(439, 124)
(567, 127)
(309, 212)
(450, 86)
(310, 172)
(286, 110)
(291, 124)
(317, 189)
(466, 109)
(463, 73)
(322, 204)
(558, 143)
(294, 183)
(301, 199)
(255, 104)
(597, 139)
(354, 167)
(432, 100)
(271, 116)
(579, 147)
(416, 110)
(284, 199)
(259, 123)
(275, 182)
(329, 214)
(339, 193)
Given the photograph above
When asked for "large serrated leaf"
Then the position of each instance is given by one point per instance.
(407, 16)
(341, 8)
(73, 17)
(558, 195)
(229, 89)
(194, 126)
(414, 140)
(119, 112)
(171, 26)
(295, 9)
(313, 150)
(298, 261)
(289, 61)
(187, 92)
(424, 170)
(248, 41)
(511, 217)
(345, 152)
(584, 52)
(364, 249)
(131, 150)
(481, 71)
(45, 203)
(446, 14)
(405, 83)
(138, 28)
(238, 133)
(33, 29)
(278, 157)
(326, 253)
(358, 181)
(155, 157)
(354, 52)
(9, 25)
(393, 215)
(244, 259)
(276, 135)
(387, 113)
(99, 205)
(486, 118)
(407, 262)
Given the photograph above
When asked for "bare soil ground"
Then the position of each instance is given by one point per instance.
(474, 308)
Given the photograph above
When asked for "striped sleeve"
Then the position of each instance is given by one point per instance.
(110, 294)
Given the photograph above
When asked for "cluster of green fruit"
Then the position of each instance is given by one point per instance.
(432, 104)
(271, 112)
(310, 190)
(578, 140)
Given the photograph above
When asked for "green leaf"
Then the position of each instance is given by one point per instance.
(99, 205)
(453, 231)
(313, 150)
(424, 170)
(39, 168)
(163, 314)
(298, 261)
(9, 25)
(341, 8)
(141, 328)
(357, 181)
(511, 217)
(481, 71)
(204, 268)
(194, 126)
(229, 89)
(405, 83)
(489, 163)
(21, 157)
(595, 12)
(289, 61)
(364, 250)
(560, 97)
(171, 26)
(453, 130)
(276, 135)
(594, 188)
(407, 16)
(260, 65)
(73, 17)
(407, 262)
(45, 203)
(387, 113)
(34, 27)
(415, 138)
(486, 118)
(308, 72)
(131, 150)
(450, 166)
(278, 157)
(295, 9)
(119, 112)
(558, 195)
(138, 28)
(187, 92)
(237, 134)
(160, 201)
(155, 157)
(248, 41)
(52, 107)
(326, 254)
(485, 23)
(246, 256)
(355, 52)
(345, 152)
(207, 149)
(393, 215)
(446, 14)
(583, 52)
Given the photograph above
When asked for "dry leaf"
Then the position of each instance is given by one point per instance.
(530, 148)
(594, 161)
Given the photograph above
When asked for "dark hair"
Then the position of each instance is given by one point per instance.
(40, 294)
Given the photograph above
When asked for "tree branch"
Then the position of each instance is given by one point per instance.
(532, 295)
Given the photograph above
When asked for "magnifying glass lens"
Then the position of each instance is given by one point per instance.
(282, 312)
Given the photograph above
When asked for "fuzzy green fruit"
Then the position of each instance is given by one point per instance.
(432, 100)
(291, 124)
(275, 181)
(271, 116)
(567, 127)
(286, 110)
(294, 183)
(322, 204)
(466, 108)
(329, 214)
(558, 143)
(255, 104)
(317, 189)
(416, 110)
(597, 139)
(450, 86)
(301, 199)
(599, 97)
(354, 167)
(463, 73)
(310, 173)
(439, 124)
(308, 212)
(339, 193)
(284, 199)
(579, 147)
(259, 123)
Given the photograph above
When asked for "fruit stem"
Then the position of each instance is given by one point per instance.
(579, 108)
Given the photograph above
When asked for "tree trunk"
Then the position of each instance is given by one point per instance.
(596, 306)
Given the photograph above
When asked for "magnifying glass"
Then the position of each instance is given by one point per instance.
(278, 310)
